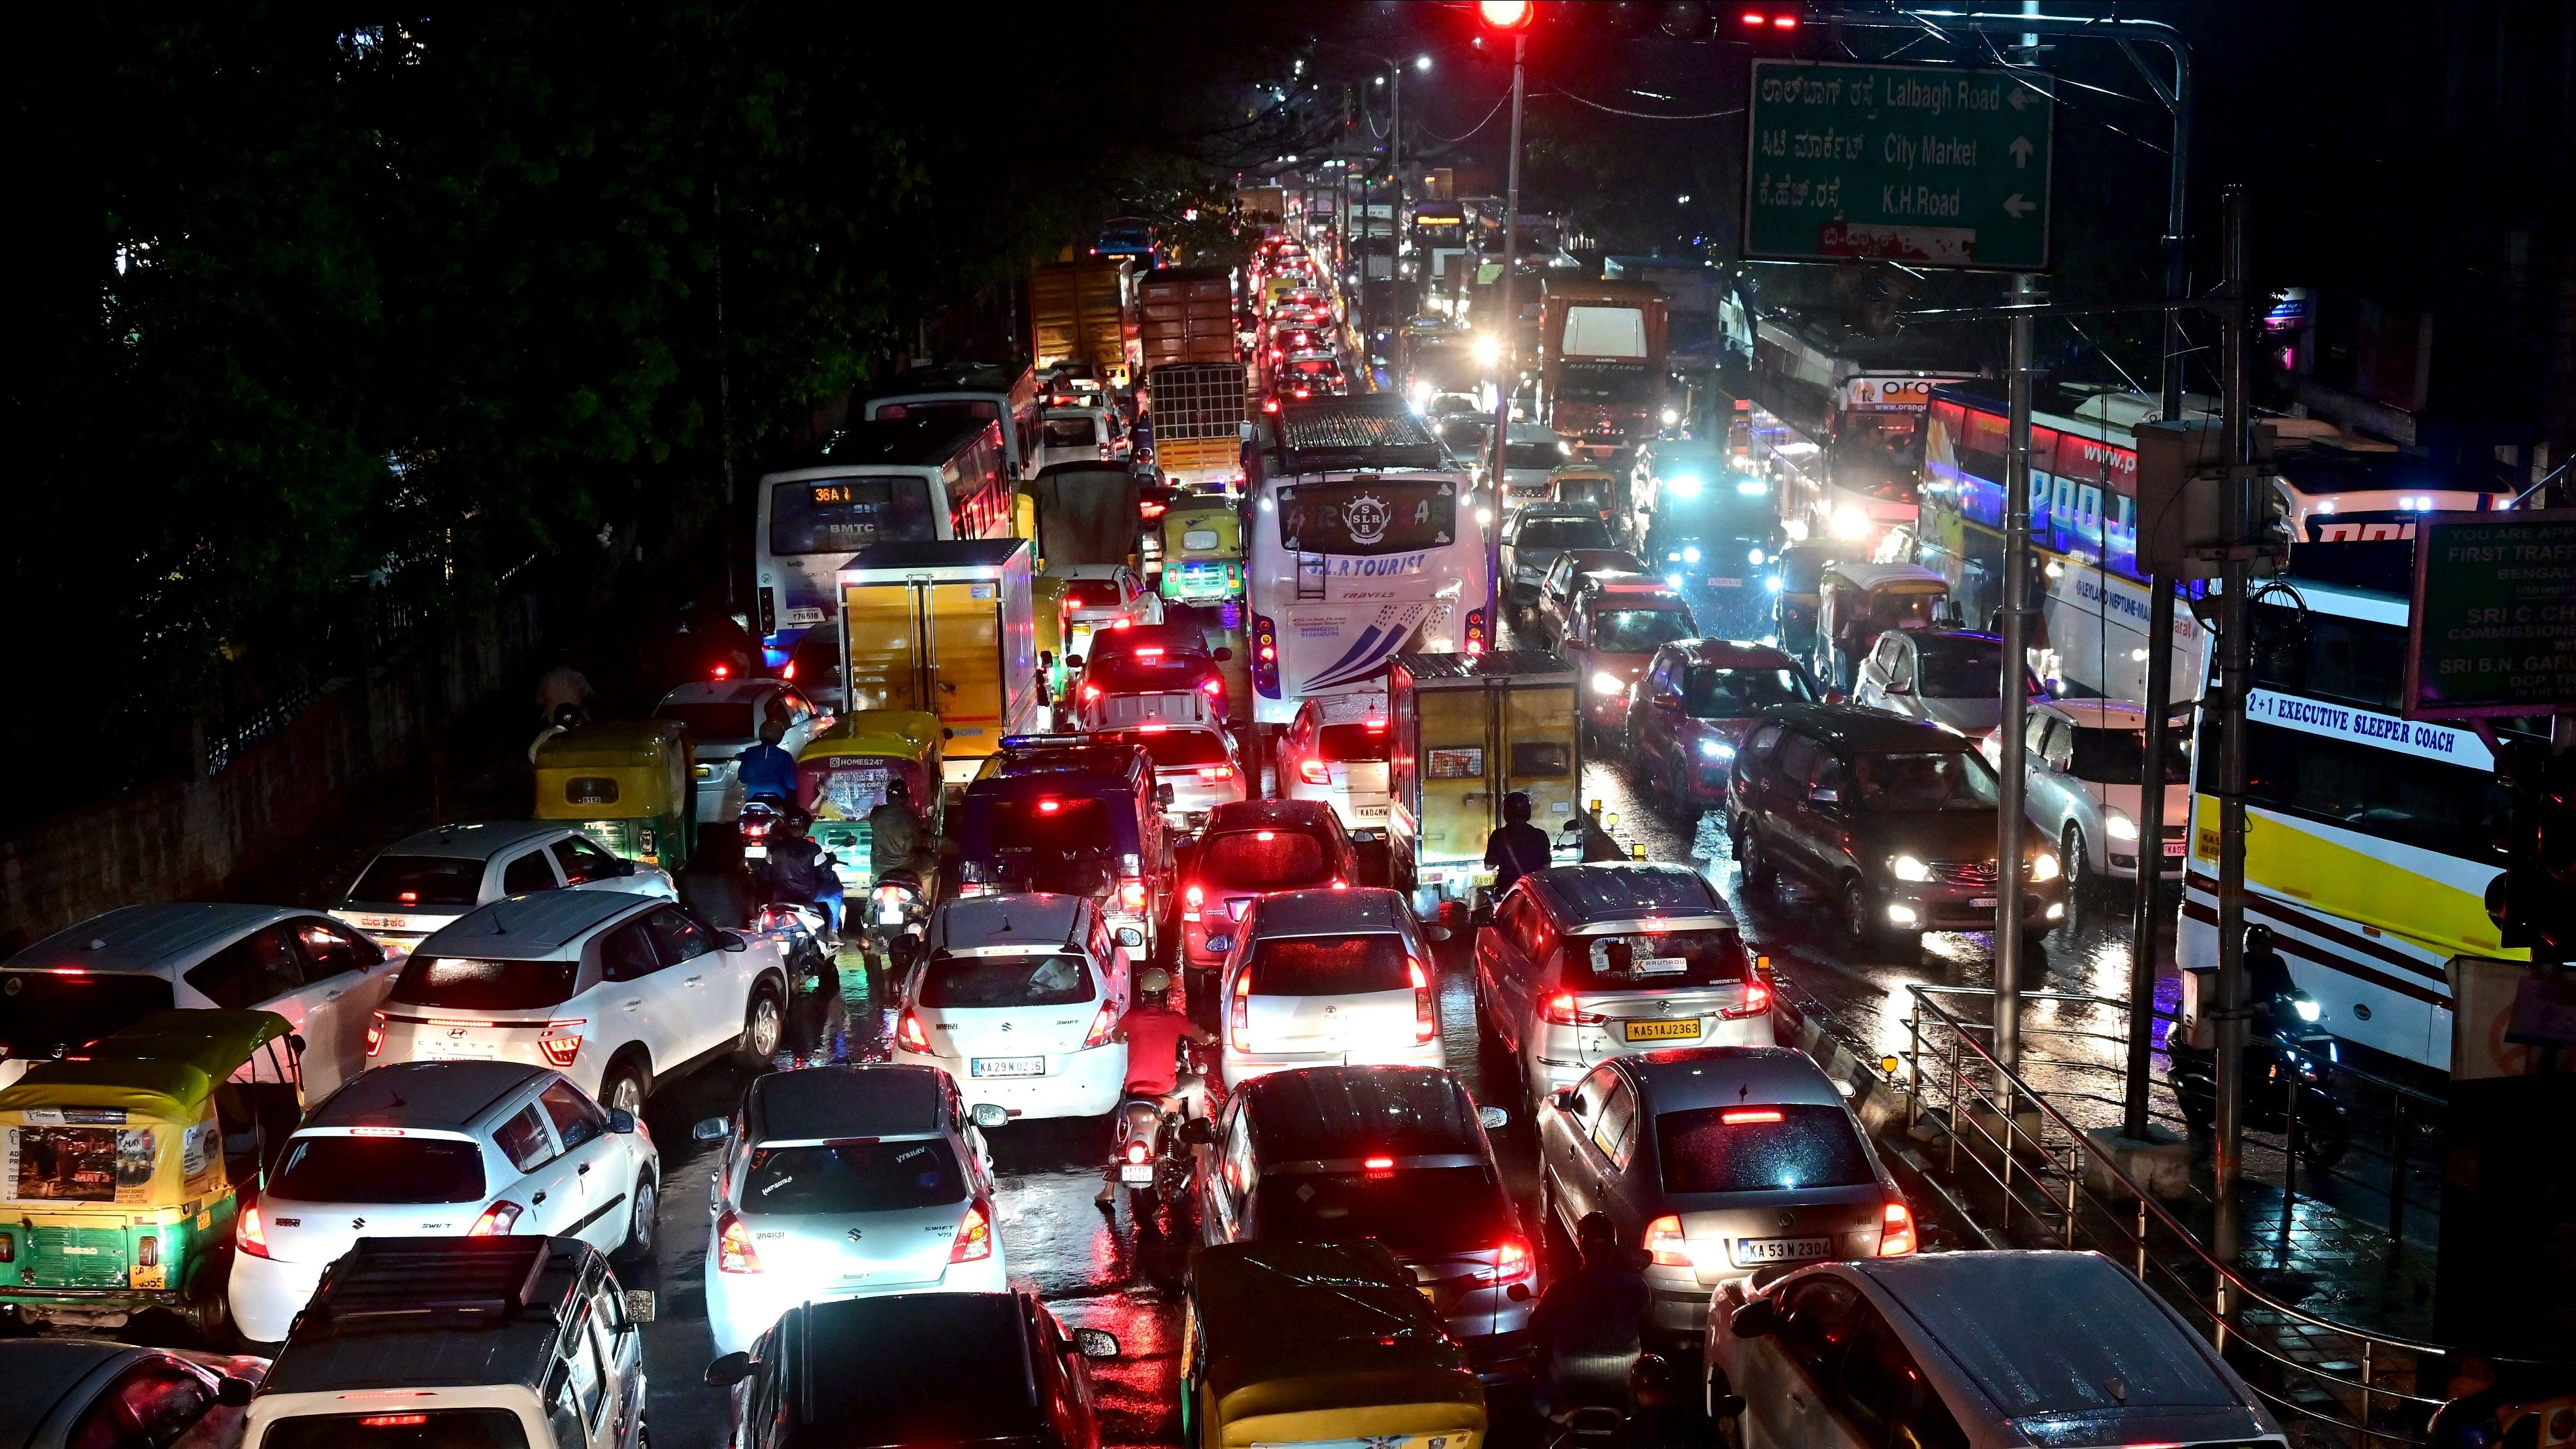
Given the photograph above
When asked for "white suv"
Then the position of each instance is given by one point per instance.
(613, 991)
(425, 882)
(441, 1149)
(1335, 751)
(1018, 997)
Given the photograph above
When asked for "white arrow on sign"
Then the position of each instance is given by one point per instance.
(2021, 149)
(2016, 208)
(2016, 96)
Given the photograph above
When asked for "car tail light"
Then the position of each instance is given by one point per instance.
(375, 1032)
(1216, 773)
(974, 1236)
(1757, 1000)
(1513, 1261)
(1560, 1011)
(1131, 893)
(911, 1034)
(1213, 686)
(1426, 1014)
(392, 1421)
(249, 1235)
(1193, 897)
(1090, 692)
(560, 1050)
(1150, 652)
(1896, 1234)
(1103, 1023)
(1311, 770)
(1138, 1152)
(1749, 1116)
(496, 1221)
(734, 1253)
(1664, 1242)
(1239, 1017)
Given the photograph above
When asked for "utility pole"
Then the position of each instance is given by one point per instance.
(2010, 868)
(2236, 665)
(1506, 359)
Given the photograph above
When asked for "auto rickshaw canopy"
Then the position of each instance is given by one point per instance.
(164, 1067)
(1302, 1328)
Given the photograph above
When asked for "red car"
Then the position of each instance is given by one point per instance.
(1251, 849)
(1692, 708)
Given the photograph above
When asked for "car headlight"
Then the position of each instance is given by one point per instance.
(1906, 867)
(1606, 682)
(1690, 555)
(1851, 523)
(1754, 558)
(1772, 584)
(1673, 582)
(2121, 826)
(1716, 750)
(2043, 866)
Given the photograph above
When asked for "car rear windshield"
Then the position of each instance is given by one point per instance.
(1562, 533)
(466, 983)
(1352, 743)
(1330, 966)
(379, 1170)
(1583, 490)
(853, 1177)
(1532, 457)
(1173, 749)
(711, 721)
(1714, 692)
(1639, 631)
(410, 1429)
(1069, 433)
(1413, 1210)
(43, 1014)
(1764, 1149)
(406, 881)
(1092, 593)
(1263, 860)
(1916, 782)
(1958, 668)
(1647, 959)
(1069, 848)
(1152, 674)
(1057, 979)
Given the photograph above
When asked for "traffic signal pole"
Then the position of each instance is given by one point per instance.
(1506, 359)
(2236, 671)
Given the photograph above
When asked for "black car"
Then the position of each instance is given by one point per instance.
(1893, 821)
(83, 1391)
(917, 1368)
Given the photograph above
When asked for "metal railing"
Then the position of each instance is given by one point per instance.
(2347, 1385)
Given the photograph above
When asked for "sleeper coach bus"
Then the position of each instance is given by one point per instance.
(908, 481)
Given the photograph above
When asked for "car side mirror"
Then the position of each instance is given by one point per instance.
(1096, 1343)
(1434, 933)
(1726, 1406)
(295, 1042)
(1222, 655)
(1824, 795)
(1836, 696)
(989, 1115)
(1668, 703)
(1562, 1099)
(1073, 661)
(1199, 1132)
(733, 940)
(729, 1370)
(620, 1120)
(1131, 936)
(625, 868)
(1482, 916)
(1493, 1119)
(712, 1129)
(1163, 795)
(1756, 1319)
(234, 1393)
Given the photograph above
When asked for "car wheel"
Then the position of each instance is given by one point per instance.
(625, 1085)
(1858, 930)
(2077, 865)
(208, 1309)
(1758, 873)
(638, 1246)
(764, 1025)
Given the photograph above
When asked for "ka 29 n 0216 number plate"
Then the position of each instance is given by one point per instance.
(1686, 1029)
(1010, 1066)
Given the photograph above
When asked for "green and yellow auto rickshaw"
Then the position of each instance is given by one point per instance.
(626, 783)
(843, 772)
(1202, 552)
(122, 1168)
(1047, 602)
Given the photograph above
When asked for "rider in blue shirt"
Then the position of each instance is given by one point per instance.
(765, 769)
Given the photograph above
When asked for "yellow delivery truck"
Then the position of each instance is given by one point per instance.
(946, 628)
(1465, 730)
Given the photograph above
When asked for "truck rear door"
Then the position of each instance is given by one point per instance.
(1457, 773)
(966, 663)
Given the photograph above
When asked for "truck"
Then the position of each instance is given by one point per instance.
(1262, 205)
(1194, 377)
(948, 628)
(1465, 732)
(1601, 349)
(1084, 311)
(1085, 514)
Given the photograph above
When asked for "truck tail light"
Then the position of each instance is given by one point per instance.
(1664, 1242)
(1131, 893)
(734, 1253)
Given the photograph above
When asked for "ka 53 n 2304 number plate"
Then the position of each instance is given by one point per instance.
(1780, 1250)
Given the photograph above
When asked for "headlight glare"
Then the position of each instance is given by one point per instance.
(1606, 682)
(1907, 868)
(2043, 866)
(2121, 826)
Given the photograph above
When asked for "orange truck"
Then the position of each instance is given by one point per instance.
(1085, 311)
(1601, 348)
(1194, 376)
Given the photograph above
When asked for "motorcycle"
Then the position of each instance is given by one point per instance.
(1607, 1426)
(1152, 1150)
(2281, 1064)
(897, 916)
(759, 820)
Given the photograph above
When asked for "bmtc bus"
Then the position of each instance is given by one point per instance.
(908, 481)
(1361, 543)
(2369, 839)
(977, 391)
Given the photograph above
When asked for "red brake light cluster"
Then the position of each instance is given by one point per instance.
(1239, 1015)
(560, 1050)
(1311, 770)
(734, 1253)
(1664, 1242)
(375, 1032)
(248, 1233)
(1560, 1011)
(1896, 1231)
(1103, 1023)
(1426, 1012)
(911, 1035)
(974, 1235)
(1757, 1000)
(496, 1221)
(1214, 773)
(1747, 1116)
(1513, 1261)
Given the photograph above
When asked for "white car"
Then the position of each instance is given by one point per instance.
(1079, 435)
(1018, 998)
(1330, 978)
(425, 882)
(1102, 596)
(1531, 452)
(441, 1149)
(723, 718)
(1335, 751)
(2084, 760)
(613, 991)
(1201, 764)
(846, 1182)
(77, 985)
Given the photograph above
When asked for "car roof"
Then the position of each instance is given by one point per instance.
(1347, 708)
(1034, 918)
(1369, 909)
(1871, 575)
(1321, 1113)
(1150, 636)
(1254, 814)
(1732, 654)
(36, 1373)
(1543, 508)
(501, 1306)
(1628, 581)
(1682, 1078)
(2096, 714)
(534, 927)
(913, 1368)
(475, 840)
(1033, 764)
(451, 1094)
(1626, 891)
(1852, 726)
(2081, 1323)
(1595, 560)
(823, 1103)
(724, 691)
(1086, 570)
(1920, 635)
(148, 937)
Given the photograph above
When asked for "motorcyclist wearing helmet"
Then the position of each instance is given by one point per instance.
(1589, 1327)
(894, 833)
(800, 872)
(767, 770)
(1516, 847)
(1156, 1085)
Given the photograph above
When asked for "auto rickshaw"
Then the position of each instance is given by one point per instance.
(628, 783)
(1202, 552)
(1320, 1343)
(120, 1170)
(843, 773)
(1465, 730)
(1857, 602)
(1592, 486)
(1047, 596)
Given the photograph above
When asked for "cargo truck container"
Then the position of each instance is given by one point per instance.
(949, 629)
(1601, 347)
(1085, 311)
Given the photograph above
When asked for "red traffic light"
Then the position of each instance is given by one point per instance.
(1507, 14)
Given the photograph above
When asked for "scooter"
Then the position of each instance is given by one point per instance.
(897, 916)
(759, 819)
(1609, 1426)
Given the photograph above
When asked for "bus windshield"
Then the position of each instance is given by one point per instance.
(844, 515)
(1368, 517)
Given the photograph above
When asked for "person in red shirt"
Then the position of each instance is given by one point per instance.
(1156, 1085)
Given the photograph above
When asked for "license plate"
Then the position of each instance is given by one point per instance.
(1780, 1250)
(755, 852)
(440, 1050)
(1369, 812)
(1687, 1030)
(1982, 903)
(2174, 849)
(1009, 1067)
(1726, 583)
(803, 616)
(1136, 1174)
(1220, 943)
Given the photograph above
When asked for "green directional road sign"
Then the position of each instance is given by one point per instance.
(2494, 615)
(1933, 166)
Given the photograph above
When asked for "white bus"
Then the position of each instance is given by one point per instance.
(978, 391)
(1361, 543)
(911, 481)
